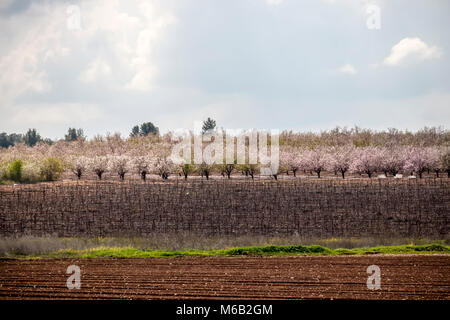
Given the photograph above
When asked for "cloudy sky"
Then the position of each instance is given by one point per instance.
(107, 65)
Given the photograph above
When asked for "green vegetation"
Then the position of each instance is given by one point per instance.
(129, 252)
(51, 169)
(7, 140)
(182, 241)
(186, 169)
(208, 125)
(145, 129)
(30, 171)
(74, 134)
(32, 137)
(14, 172)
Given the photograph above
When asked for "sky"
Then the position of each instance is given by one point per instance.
(107, 65)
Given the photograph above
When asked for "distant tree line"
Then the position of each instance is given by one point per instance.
(30, 138)
(144, 129)
(7, 140)
(426, 137)
(74, 134)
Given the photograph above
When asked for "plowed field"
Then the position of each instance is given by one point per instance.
(298, 277)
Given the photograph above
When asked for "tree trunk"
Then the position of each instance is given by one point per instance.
(343, 174)
(295, 172)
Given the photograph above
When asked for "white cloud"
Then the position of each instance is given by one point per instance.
(223, 108)
(61, 113)
(22, 61)
(413, 113)
(410, 50)
(274, 2)
(126, 31)
(132, 60)
(357, 7)
(5, 3)
(96, 70)
(348, 69)
(141, 63)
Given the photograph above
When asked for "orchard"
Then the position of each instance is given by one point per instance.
(339, 155)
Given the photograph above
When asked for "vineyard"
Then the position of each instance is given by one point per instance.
(305, 207)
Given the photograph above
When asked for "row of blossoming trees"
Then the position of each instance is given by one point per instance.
(340, 160)
(367, 160)
(145, 156)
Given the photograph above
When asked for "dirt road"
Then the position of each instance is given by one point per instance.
(299, 277)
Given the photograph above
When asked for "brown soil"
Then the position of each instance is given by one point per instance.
(299, 277)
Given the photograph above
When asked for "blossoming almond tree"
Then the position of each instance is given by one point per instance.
(317, 160)
(419, 160)
(291, 160)
(99, 165)
(79, 165)
(340, 159)
(142, 165)
(434, 156)
(366, 160)
(205, 169)
(163, 167)
(393, 160)
(120, 164)
(445, 160)
(252, 169)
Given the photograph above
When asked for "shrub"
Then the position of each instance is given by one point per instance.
(3, 171)
(51, 169)
(15, 170)
(31, 172)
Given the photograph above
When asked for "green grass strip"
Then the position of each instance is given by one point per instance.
(129, 252)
